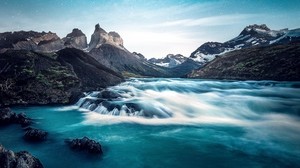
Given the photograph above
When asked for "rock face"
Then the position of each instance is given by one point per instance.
(276, 62)
(92, 74)
(27, 77)
(85, 144)
(75, 39)
(100, 36)
(252, 35)
(35, 135)
(23, 159)
(22, 40)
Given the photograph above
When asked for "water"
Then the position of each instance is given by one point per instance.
(173, 123)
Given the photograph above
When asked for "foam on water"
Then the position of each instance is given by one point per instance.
(189, 102)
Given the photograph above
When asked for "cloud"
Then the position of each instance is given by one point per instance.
(208, 21)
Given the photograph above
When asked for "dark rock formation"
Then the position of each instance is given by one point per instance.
(28, 77)
(23, 159)
(35, 135)
(110, 94)
(23, 120)
(8, 117)
(75, 39)
(277, 62)
(85, 144)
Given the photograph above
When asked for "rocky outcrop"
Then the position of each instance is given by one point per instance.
(35, 135)
(28, 77)
(23, 159)
(85, 144)
(8, 117)
(100, 37)
(75, 39)
(36, 41)
(276, 62)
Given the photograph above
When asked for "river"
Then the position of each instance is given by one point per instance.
(172, 123)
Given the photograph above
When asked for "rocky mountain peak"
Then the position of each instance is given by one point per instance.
(253, 29)
(99, 29)
(75, 39)
(100, 37)
(76, 33)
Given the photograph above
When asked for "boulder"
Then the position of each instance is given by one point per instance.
(9, 117)
(23, 120)
(6, 116)
(109, 94)
(23, 159)
(85, 144)
(35, 135)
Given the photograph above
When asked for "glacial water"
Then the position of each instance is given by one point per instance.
(172, 123)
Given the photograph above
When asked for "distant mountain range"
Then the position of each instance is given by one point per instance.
(258, 53)
(252, 35)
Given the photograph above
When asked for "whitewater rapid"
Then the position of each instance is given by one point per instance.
(192, 102)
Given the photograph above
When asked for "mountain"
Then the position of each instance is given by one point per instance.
(170, 61)
(252, 35)
(186, 67)
(139, 56)
(273, 62)
(75, 39)
(109, 50)
(36, 41)
(41, 41)
(28, 77)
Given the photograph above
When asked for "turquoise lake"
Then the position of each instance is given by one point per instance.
(177, 123)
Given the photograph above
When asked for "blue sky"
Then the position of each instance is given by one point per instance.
(151, 27)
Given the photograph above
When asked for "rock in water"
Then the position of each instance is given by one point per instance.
(23, 120)
(9, 117)
(23, 159)
(85, 144)
(35, 135)
(6, 116)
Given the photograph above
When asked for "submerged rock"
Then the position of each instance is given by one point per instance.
(85, 144)
(35, 135)
(23, 159)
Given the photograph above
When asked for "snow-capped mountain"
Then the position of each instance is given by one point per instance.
(170, 61)
(252, 35)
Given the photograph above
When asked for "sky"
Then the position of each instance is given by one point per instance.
(154, 28)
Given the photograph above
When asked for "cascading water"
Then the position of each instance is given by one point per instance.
(194, 101)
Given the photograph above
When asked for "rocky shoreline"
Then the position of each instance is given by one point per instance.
(23, 159)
